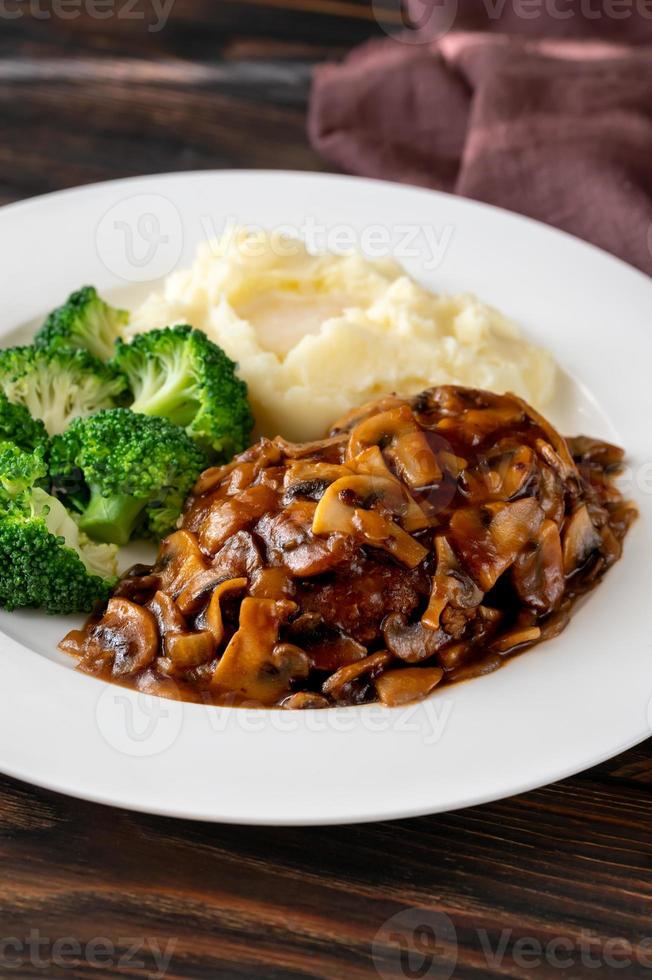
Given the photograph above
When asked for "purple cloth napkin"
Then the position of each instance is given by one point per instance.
(557, 129)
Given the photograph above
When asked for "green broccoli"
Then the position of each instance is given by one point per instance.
(57, 386)
(45, 561)
(85, 321)
(125, 473)
(179, 374)
(20, 470)
(17, 425)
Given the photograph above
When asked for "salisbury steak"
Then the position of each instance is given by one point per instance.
(423, 541)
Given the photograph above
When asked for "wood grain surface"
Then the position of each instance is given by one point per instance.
(555, 883)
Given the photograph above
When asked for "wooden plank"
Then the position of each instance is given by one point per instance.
(571, 861)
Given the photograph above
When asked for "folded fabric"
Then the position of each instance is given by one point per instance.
(560, 130)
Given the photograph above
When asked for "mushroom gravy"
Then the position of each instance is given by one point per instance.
(424, 541)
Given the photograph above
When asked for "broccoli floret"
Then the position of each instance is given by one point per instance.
(19, 470)
(17, 425)
(44, 559)
(85, 321)
(125, 473)
(179, 374)
(57, 386)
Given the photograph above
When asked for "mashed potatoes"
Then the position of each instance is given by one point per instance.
(314, 336)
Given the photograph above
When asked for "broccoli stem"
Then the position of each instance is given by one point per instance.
(111, 519)
(173, 400)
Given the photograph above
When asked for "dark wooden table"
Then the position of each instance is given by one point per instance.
(556, 883)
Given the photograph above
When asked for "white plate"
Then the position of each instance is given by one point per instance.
(558, 709)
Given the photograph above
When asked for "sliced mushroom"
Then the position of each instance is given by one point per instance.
(343, 509)
(240, 473)
(611, 548)
(291, 661)
(352, 418)
(554, 624)
(240, 557)
(450, 585)
(412, 642)
(455, 655)
(517, 637)
(398, 433)
(538, 572)
(488, 539)
(309, 478)
(487, 664)
(240, 478)
(301, 450)
(596, 452)
(211, 478)
(290, 541)
(212, 619)
(448, 400)
(128, 632)
(502, 475)
(339, 685)
(558, 443)
(304, 701)
(167, 614)
(152, 683)
(179, 559)
(481, 422)
(580, 539)
(195, 594)
(396, 687)
(452, 464)
(185, 650)
(74, 643)
(328, 648)
(551, 495)
(551, 457)
(139, 583)
(247, 668)
(335, 651)
(216, 475)
(480, 630)
(272, 583)
(371, 462)
(226, 517)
